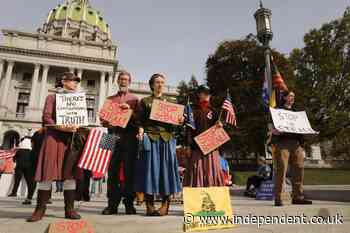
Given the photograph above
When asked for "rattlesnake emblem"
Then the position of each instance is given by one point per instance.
(207, 203)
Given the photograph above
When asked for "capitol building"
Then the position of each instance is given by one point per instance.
(75, 37)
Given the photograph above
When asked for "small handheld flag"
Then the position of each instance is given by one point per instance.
(230, 112)
(189, 118)
(98, 151)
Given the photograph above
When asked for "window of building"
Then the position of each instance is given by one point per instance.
(22, 103)
(91, 83)
(90, 102)
(27, 77)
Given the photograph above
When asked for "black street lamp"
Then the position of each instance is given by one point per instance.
(265, 35)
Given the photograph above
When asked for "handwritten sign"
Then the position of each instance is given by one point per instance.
(76, 226)
(114, 115)
(166, 112)
(291, 122)
(211, 139)
(71, 109)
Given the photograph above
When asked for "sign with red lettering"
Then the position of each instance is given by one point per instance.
(166, 112)
(114, 115)
(211, 139)
(76, 226)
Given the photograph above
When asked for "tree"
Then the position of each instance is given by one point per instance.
(187, 90)
(239, 66)
(322, 71)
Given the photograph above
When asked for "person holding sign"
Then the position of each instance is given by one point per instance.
(203, 170)
(289, 150)
(158, 166)
(121, 168)
(52, 158)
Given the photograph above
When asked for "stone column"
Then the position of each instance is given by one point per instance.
(33, 90)
(102, 92)
(1, 67)
(43, 86)
(80, 73)
(110, 84)
(7, 80)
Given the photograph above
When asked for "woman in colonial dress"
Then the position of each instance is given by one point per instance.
(203, 170)
(54, 163)
(157, 167)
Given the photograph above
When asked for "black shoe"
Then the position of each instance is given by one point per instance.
(130, 210)
(109, 211)
(27, 202)
(301, 202)
(12, 195)
(278, 203)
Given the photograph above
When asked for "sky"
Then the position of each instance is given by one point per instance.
(176, 37)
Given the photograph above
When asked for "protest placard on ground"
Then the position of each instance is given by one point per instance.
(291, 122)
(166, 112)
(71, 109)
(201, 204)
(76, 226)
(114, 115)
(211, 139)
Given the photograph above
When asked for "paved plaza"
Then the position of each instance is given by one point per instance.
(13, 214)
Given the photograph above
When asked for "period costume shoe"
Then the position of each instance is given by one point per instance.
(150, 210)
(70, 213)
(110, 210)
(278, 203)
(164, 209)
(39, 212)
(301, 202)
(129, 207)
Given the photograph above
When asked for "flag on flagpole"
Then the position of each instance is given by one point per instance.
(7, 154)
(230, 112)
(189, 118)
(98, 151)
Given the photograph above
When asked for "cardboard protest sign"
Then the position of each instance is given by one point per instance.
(265, 191)
(166, 112)
(71, 109)
(114, 115)
(291, 122)
(76, 226)
(207, 209)
(211, 139)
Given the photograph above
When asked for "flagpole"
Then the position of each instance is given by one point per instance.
(221, 110)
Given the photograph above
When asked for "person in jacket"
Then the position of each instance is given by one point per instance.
(289, 150)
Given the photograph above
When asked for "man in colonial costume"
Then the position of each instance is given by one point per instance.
(121, 169)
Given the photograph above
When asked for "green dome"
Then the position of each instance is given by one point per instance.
(80, 11)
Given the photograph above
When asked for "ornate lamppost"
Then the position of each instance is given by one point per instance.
(265, 35)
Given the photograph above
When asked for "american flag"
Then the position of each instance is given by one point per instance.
(230, 112)
(6, 154)
(98, 151)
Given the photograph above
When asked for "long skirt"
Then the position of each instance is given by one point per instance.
(204, 170)
(57, 159)
(157, 170)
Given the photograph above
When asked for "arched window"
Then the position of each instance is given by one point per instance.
(10, 139)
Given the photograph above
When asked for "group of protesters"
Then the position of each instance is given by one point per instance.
(144, 160)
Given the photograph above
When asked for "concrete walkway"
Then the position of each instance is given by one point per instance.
(13, 214)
